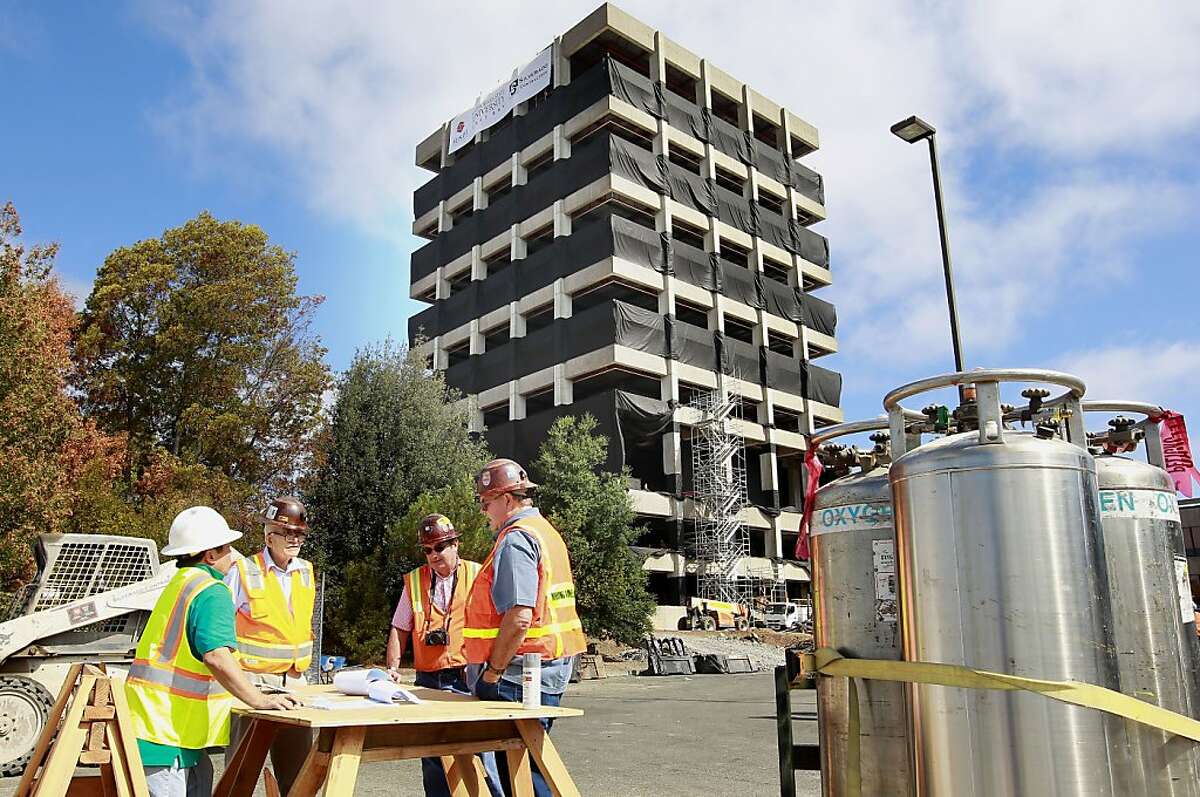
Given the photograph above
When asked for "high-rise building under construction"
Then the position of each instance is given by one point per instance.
(623, 229)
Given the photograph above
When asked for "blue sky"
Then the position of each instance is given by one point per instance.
(1070, 144)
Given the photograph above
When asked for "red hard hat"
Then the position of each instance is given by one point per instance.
(434, 529)
(502, 476)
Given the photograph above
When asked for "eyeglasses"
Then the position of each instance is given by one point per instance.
(429, 550)
(290, 536)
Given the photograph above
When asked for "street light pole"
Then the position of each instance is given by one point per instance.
(912, 130)
(941, 217)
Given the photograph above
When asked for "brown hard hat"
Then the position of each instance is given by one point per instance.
(287, 512)
(502, 476)
(434, 529)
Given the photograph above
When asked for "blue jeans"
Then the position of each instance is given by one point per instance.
(507, 690)
(433, 776)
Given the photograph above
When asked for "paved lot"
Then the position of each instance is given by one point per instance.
(701, 735)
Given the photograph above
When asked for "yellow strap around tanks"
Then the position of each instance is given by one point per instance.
(828, 662)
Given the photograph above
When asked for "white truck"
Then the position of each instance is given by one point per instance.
(787, 616)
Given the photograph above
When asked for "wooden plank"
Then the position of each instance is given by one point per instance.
(547, 758)
(96, 713)
(270, 785)
(241, 775)
(453, 777)
(343, 762)
(88, 786)
(94, 758)
(108, 781)
(312, 773)
(124, 773)
(376, 754)
(123, 743)
(60, 765)
(437, 708)
(470, 776)
(25, 786)
(520, 776)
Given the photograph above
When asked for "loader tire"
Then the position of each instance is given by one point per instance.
(24, 706)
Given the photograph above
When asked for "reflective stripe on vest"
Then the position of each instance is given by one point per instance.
(274, 638)
(555, 629)
(430, 658)
(173, 697)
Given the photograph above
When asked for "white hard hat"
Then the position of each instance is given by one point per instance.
(197, 529)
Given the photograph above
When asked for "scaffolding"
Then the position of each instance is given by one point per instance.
(720, 542)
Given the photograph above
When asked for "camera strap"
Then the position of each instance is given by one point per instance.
(433, 579)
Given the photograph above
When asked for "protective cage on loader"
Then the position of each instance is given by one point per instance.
(89, 602)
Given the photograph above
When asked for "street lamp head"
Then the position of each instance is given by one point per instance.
(913, 129)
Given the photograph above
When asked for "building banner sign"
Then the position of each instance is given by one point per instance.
(494, 106)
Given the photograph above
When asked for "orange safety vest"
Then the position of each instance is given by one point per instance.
(555, 630)
(274, 638)
(427, 617)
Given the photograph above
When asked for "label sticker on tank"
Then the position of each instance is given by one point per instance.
(1183, 584)
(1144, 504)
(883, 553)
(852, 517)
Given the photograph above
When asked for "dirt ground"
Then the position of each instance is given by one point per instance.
(675, 735)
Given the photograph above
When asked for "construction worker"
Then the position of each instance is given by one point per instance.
(185, 675)
(274, 592)
(432, 611)
(523, 600)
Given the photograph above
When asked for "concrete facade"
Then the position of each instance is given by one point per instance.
(482, 331)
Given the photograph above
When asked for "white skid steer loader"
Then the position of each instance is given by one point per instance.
(89, 602)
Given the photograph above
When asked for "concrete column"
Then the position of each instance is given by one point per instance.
(666, 297)
(669, 384)
(516, 244)
(516, 402)
(560, 65)
(437, 355)
(479, 198)
(746, 112)
(774, 539)
(795, 483)
(766, 466)
(516, 321)
(672, 452)
(476, 346)
(562, 299)
(442, 285)
(658, 61)
(519, 174)
(562, 144)
(562, 220)
(563, 393)
(445, 222)
(478, 267)
(475, 418)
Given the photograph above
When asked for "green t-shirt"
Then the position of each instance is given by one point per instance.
(209, 626)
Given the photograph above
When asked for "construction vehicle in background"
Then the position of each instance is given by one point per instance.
(89, 602)
(710, 615)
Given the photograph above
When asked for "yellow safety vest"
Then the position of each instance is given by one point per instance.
(173, 697)
(274, 638)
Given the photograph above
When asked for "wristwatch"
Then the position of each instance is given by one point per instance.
(497, 670)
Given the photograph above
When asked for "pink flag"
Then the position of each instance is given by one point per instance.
(1178, 452)
(812, 475)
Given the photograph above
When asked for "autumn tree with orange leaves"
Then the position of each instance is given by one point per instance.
(45, 445)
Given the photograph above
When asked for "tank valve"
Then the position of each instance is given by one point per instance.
(1036, 396)
(938, 415)
(1123, 435)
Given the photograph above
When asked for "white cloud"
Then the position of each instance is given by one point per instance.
(1162, 372)
(341, 94)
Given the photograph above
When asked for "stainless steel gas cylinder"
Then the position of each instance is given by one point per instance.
(1154, 626)
(1001, 568)
(854, 584)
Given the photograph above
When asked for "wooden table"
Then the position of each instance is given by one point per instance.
(452, 727)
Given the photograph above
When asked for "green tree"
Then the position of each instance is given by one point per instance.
(196, 342)
(395, 433)
(380, 583)
(44, 443)
(592, 510)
